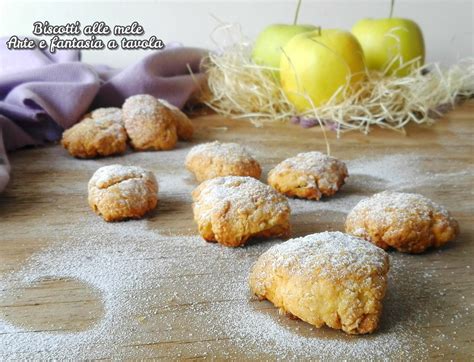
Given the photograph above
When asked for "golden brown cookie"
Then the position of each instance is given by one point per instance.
(327, 278)
(214, 159)
(100, 133)
(149, 124)
(410, 223)
(308, 175)
(184, 126)
(232, 209)
(119, 192)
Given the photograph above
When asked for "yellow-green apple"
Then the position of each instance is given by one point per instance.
(267, 48)
(383, 40)
(318, 64)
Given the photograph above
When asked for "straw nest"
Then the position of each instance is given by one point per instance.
(241, 89)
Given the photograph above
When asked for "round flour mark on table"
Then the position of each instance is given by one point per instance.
(58, 304)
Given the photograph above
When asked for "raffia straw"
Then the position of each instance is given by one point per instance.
(241, 89)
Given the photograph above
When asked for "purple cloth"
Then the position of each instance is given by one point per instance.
(41, 94)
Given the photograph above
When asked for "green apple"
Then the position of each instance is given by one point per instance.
(317, 64)
(383, 40)
(267, 48)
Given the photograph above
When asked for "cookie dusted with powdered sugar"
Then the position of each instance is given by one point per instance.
(119, 192)
(410, 223)
(232, 209)
(214, 159)
(327, 278)
(184, 126)
(155, 124)
(309, 175)
(99, 133)
(149, 124)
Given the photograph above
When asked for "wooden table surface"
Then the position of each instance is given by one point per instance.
(73, 286)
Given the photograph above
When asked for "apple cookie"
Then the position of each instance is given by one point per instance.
(154, 124)
(99, 133)
(308, 175)
(232, 209)
(328, 278)
(119, 192)
(409, 223)
(214, 159)
(184, 126)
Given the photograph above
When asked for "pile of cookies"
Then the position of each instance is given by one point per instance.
(330, 278)
(146, 122)
(231, 205)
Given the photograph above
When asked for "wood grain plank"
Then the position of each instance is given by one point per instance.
(45, 204)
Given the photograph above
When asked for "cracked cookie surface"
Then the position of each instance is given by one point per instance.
(232, 209)
(99, 133)
(215, 159)
(309, 175)
(119, 192)
(328, 278)
(409, 223)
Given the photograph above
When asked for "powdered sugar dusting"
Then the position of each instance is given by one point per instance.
(92, 258)
(311, 171)
(390, 207)
(110, 175)
(335, 254)
(228, 152)
(135, 275)
(108, 127)
(396, 172)
(141, 105)
(110, 113)
(313, 162)
(258, 325)
(243, 193)
(176, 296)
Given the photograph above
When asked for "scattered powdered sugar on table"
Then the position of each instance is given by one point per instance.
(261, 332)
(148, 281)
(135, 275)
(401, 171)
(93, 258)
(371, 175)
